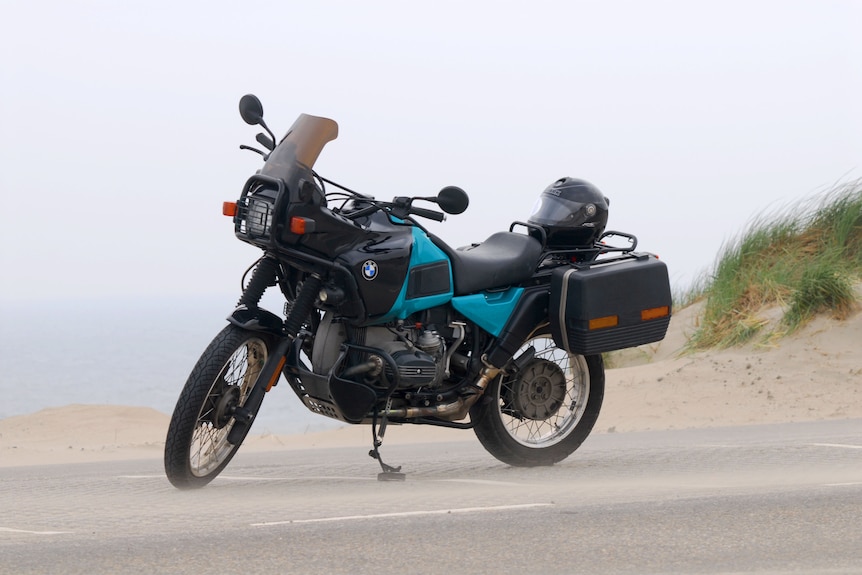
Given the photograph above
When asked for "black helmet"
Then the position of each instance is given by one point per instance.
(573, 213)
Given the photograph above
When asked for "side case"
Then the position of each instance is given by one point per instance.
(612, 305)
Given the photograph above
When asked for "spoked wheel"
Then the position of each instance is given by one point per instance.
(543, 413)
(197, 447)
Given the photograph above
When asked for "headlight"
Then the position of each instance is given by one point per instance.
(258, 217)
(254, 215)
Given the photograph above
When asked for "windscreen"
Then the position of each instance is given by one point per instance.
(300, 148)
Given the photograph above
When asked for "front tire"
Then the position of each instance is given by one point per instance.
(196, 447)
(542, 414)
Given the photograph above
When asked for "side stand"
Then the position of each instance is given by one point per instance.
(389, 473)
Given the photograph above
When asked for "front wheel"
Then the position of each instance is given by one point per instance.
(542, 414)
(196, 447)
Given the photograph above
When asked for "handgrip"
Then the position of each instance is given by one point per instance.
(430, 214)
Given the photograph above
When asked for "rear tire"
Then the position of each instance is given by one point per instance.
(196, 447)
(541, 415)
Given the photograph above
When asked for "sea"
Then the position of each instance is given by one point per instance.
(122, 351)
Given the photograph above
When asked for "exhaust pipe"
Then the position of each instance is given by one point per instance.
(453, 411)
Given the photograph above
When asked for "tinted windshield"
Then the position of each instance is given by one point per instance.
(299, 149)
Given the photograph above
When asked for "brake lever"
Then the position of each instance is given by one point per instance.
(363, 212)
(244, 147)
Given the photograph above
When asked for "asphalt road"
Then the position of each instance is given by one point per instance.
(765, 499)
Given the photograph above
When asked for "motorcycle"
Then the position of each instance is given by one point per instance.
(384, 323)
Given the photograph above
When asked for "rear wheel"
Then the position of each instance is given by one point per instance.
(542, 414)
(196, 447)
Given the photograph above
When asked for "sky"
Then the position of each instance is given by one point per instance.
(119, 129)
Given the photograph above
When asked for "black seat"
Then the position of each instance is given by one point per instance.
(504, 259)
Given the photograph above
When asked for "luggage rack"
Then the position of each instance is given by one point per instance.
(588, 256)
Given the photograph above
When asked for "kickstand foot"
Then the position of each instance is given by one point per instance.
(389, 473)
(391, 476)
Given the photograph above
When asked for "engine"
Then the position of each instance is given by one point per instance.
(419, 354)
(420, 363)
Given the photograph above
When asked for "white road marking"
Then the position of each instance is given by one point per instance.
(403, 514)
(253, 478)
(10, 530)
(334, 478)
(842, 445)
(304, 478)
(141, 476)
(483, 482)
(849, 484)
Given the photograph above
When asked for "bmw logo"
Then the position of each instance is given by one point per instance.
(369, 270)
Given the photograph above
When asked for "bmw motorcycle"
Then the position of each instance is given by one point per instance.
(384, 323)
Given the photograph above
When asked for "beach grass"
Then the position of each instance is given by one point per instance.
(803, 260)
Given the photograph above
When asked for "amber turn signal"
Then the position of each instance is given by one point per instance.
(229, 209)
(301, 226)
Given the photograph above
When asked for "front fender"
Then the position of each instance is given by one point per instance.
(256, 319)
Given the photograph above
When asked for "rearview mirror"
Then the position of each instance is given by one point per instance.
(251, 109)
(453, 200)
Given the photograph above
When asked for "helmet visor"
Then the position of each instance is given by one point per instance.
(551, 210)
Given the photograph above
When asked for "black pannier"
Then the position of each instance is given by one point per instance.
(605, 306)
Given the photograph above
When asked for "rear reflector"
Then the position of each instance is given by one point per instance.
(229, 209)
(601, 322)
(655, 312)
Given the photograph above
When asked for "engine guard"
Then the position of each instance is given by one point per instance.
(354, 399)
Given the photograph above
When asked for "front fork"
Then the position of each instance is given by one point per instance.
(249, 316)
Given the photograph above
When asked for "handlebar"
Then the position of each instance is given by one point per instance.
(410, 211)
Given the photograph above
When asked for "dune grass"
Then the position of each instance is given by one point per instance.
(804, 259)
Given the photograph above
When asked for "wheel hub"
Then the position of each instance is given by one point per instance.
(226, 406)
(538, 390)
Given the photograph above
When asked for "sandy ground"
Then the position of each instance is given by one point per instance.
(814, 374)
